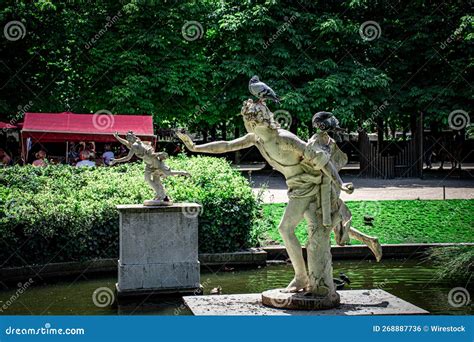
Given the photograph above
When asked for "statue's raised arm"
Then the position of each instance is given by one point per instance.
(246, 141)
(121, 140)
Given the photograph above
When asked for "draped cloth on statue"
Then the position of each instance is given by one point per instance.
(304, 185)
(313, 182)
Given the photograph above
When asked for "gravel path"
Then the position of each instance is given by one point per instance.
(374, 189)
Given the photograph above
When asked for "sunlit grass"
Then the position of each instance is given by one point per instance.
(395, 221)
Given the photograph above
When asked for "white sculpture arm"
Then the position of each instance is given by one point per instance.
(176, 173)
(121, 140)
(246, 141)
(123, 159)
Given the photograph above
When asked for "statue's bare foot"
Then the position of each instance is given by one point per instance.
(376, 248)
(296, 285)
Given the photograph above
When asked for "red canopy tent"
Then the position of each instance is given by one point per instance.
(99, 127)
(6, 125)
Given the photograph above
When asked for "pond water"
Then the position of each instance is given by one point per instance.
(410, 280)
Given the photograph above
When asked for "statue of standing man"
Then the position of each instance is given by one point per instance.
(313, 183)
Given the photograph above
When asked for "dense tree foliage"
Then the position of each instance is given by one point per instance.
(189, 62)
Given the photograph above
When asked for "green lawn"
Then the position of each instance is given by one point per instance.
(395, 221)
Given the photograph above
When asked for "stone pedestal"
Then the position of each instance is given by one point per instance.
(353, 302)
(158, 249)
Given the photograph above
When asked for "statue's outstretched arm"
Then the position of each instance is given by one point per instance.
(176, 173)
(123, 159)
(219, 146)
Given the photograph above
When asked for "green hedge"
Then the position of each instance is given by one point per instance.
(62, 213)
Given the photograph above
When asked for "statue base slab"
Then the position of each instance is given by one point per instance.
(299, 301)
(352, 303)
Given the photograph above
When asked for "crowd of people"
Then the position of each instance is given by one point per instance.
(80, 154)
(85, 155)
(5, 159)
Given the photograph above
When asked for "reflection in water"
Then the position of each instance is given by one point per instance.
(407, 279)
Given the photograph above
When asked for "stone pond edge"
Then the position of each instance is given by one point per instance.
(252, 257)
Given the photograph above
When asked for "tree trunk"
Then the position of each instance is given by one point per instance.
(404, 134)
(310, 128)
(393, 128)
(224, 130)
(236, 132)
(413, 118)
(213, 133)
(294, 125)
(380, 131)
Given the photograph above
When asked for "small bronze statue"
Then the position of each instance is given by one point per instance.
(155, 168)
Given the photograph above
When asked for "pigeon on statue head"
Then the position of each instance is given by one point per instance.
(261, 90)
(326, 121)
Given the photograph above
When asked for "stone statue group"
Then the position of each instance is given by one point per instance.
(314, 186)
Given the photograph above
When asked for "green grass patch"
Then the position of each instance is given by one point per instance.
(416, 221)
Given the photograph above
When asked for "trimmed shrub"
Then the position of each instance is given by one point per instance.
(61, 213)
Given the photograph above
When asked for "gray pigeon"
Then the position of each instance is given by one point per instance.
(326, 121)
(261, 90)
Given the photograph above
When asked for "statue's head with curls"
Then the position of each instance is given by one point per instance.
(131, 137)
(257, 114)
